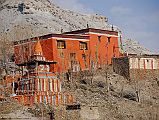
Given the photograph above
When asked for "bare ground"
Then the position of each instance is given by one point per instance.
(114, 98)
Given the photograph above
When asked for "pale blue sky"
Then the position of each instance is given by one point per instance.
(138, 19)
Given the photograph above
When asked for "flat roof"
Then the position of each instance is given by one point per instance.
(43, 37)
(88, 30)
(143, 55)
(77, 34)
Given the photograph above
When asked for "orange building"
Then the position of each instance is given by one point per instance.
(76, 50)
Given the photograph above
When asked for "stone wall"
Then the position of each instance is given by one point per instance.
(121, 66)
(141, 74)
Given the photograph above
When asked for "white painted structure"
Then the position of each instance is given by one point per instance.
(144, 62)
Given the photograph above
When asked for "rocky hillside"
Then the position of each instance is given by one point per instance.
(22, 19)
(111, 97)
(134, 47)
(102, 95)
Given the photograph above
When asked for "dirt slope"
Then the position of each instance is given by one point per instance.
(126, 100)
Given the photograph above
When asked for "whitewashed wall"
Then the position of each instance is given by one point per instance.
(141, 63)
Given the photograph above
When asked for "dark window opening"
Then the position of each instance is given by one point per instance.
(99, 38)
(74, 62)
(83, 46)
(109, 39)
(25, 48)
(61, 44)
(83, 56)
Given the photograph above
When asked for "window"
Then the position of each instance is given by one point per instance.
(25, 47)
(61, 44)
(83, 46)
(74, 63)
(72, 56)
(109, 39)
(99, 38)
(83, 56)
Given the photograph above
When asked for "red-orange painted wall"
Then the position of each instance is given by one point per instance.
(102, 50)
(72, 46)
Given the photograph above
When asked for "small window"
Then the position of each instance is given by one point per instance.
(147, 60)
(109, 39)
(26, 48)
(74, 63)
(61, 44)
(99, 38)
(83, 46)
(72, 56)
(83, 56)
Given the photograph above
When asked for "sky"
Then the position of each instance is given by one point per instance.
(138, 19)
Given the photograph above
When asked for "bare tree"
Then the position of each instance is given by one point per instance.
(105, 73)
(137, 90)
(5, 57)
(6, 51)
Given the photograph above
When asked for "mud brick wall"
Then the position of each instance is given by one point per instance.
(121, 66)
(141, 74)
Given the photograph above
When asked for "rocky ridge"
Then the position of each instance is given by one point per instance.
(23, 19)
(134, 47)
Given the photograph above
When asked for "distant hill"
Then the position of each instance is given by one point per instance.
(133, 47)
(22, 19)
(30, 18)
